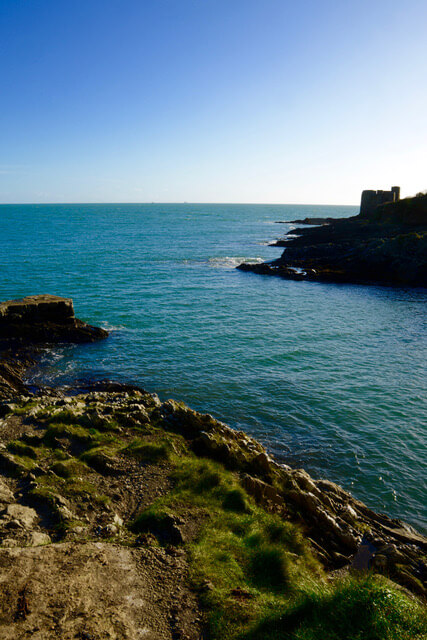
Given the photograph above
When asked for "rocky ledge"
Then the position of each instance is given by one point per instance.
(125, 517)
(44, 319)
(30, 323)
(389, 247)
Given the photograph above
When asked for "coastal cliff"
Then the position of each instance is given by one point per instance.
(122, 516)
(388, 246)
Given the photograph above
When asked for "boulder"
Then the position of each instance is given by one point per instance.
(25, 516)
(6, 495)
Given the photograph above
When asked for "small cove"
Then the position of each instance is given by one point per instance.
(328, 377)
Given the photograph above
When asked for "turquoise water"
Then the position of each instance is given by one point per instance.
(328, 377)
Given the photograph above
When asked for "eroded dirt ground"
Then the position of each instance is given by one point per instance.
(95, 591)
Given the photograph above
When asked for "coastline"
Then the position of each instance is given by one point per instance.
(109, 434)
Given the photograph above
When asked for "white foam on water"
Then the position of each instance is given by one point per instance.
(230, 262)
(112, 327)
(298, 270)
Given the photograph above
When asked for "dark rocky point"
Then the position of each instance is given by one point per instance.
(385, 244)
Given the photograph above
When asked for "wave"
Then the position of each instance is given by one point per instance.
(231, 262)
(113, 327)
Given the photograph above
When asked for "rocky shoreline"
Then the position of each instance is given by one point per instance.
(389, 247)
(114, 509)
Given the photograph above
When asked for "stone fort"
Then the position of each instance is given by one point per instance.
(371, 199)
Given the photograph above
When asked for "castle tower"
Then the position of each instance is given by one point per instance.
(372, 199)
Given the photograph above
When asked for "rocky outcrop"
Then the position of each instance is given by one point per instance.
(389, 247)
(13, 365)
(44, 319)
(29, 323)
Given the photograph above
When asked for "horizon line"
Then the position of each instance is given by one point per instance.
(262, 204)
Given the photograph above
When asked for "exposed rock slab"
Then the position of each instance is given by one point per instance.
(35, 309)
(95, 590)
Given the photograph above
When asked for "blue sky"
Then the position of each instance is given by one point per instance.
(211, 100)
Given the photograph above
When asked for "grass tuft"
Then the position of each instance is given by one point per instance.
(269, 568)
(22, 449)
(69, 468)
(235, 500)
(149, 451)
(99, 458)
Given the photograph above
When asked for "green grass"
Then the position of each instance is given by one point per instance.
(88, 420)
(100, 458)
(86, 437)
(21, 449)
(149, 451)
(78, 488)
(270, 568)
(240, 546)
(68, 486)
(69, 468)
(64, 416)
(46, 494)
(24, 408)
(235, 500)
(357, 608)
(151, 519)
(59, 454)
(263, 581)
(64, 430)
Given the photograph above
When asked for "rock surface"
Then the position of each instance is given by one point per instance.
(94, 591)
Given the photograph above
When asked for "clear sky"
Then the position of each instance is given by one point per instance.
(211, 100)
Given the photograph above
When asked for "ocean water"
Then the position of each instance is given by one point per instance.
(329, 377)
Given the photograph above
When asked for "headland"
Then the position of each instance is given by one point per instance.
(385, 244)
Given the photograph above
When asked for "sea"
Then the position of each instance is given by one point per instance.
(329, 377)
